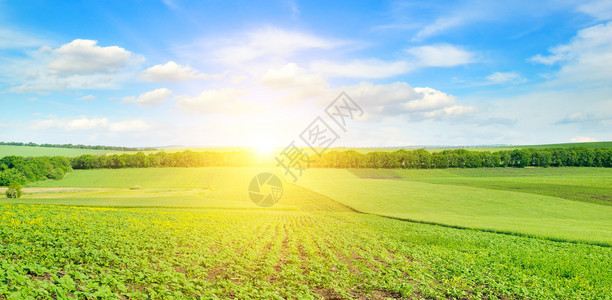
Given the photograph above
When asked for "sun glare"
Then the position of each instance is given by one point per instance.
(263, 147)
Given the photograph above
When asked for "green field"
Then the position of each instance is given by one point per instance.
(193, 232)
(592, 185)
(50, 251)
(25, 151)
(560, 203)
(469, 198)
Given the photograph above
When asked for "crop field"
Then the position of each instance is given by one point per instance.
(50, 251)
(25, 151)
(194, 233)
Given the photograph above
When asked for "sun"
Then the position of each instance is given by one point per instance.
(263, 147)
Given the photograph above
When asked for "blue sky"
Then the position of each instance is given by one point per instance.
(213, 73)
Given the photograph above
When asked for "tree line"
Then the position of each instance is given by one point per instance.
(461, 158)
(17, 169)
(409, 159)
(79, 146)
(162, 159)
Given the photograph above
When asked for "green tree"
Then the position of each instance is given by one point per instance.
(14, 190)
(11, 175)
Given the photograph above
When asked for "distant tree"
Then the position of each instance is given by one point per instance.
(541, 158)
(14, 190)
(11, 175)
(520, 158)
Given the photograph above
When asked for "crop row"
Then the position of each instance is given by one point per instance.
(63, 251)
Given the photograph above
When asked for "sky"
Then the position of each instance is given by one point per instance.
(233, 73)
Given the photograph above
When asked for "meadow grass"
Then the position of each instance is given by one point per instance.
(497, 209)
(25, 151)
(593, 185)
(157, 178)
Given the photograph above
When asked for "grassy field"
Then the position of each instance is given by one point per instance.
(463, 198)
(193, 232)
(25, 151)
(593, 185)
(560, 203)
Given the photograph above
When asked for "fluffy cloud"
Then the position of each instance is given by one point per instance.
(378, 100)
(401, 99)
(300, 83)
(441, 55)
(600, 9)
(93, 124)
(149, 99)
(80, 64)
(173, 72)
(587, 58)
(223, 101)
(370, 68)
(84, 57)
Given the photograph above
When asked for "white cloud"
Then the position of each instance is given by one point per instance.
(84, 57)
(438, 26)
(93, 124)
(223, 101)
(505, 77)
(289, 75)
(86, 124)
(584, 118)
(583, 139)
(401, 99)
(87, 97)
(587, 58)
(80, 64)
(370, 68)
(441, 55)
(300, 83)
(455, 110)
(601, 9)
(267, 43)
(149, 99)
(237, 79)
(173, 72)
